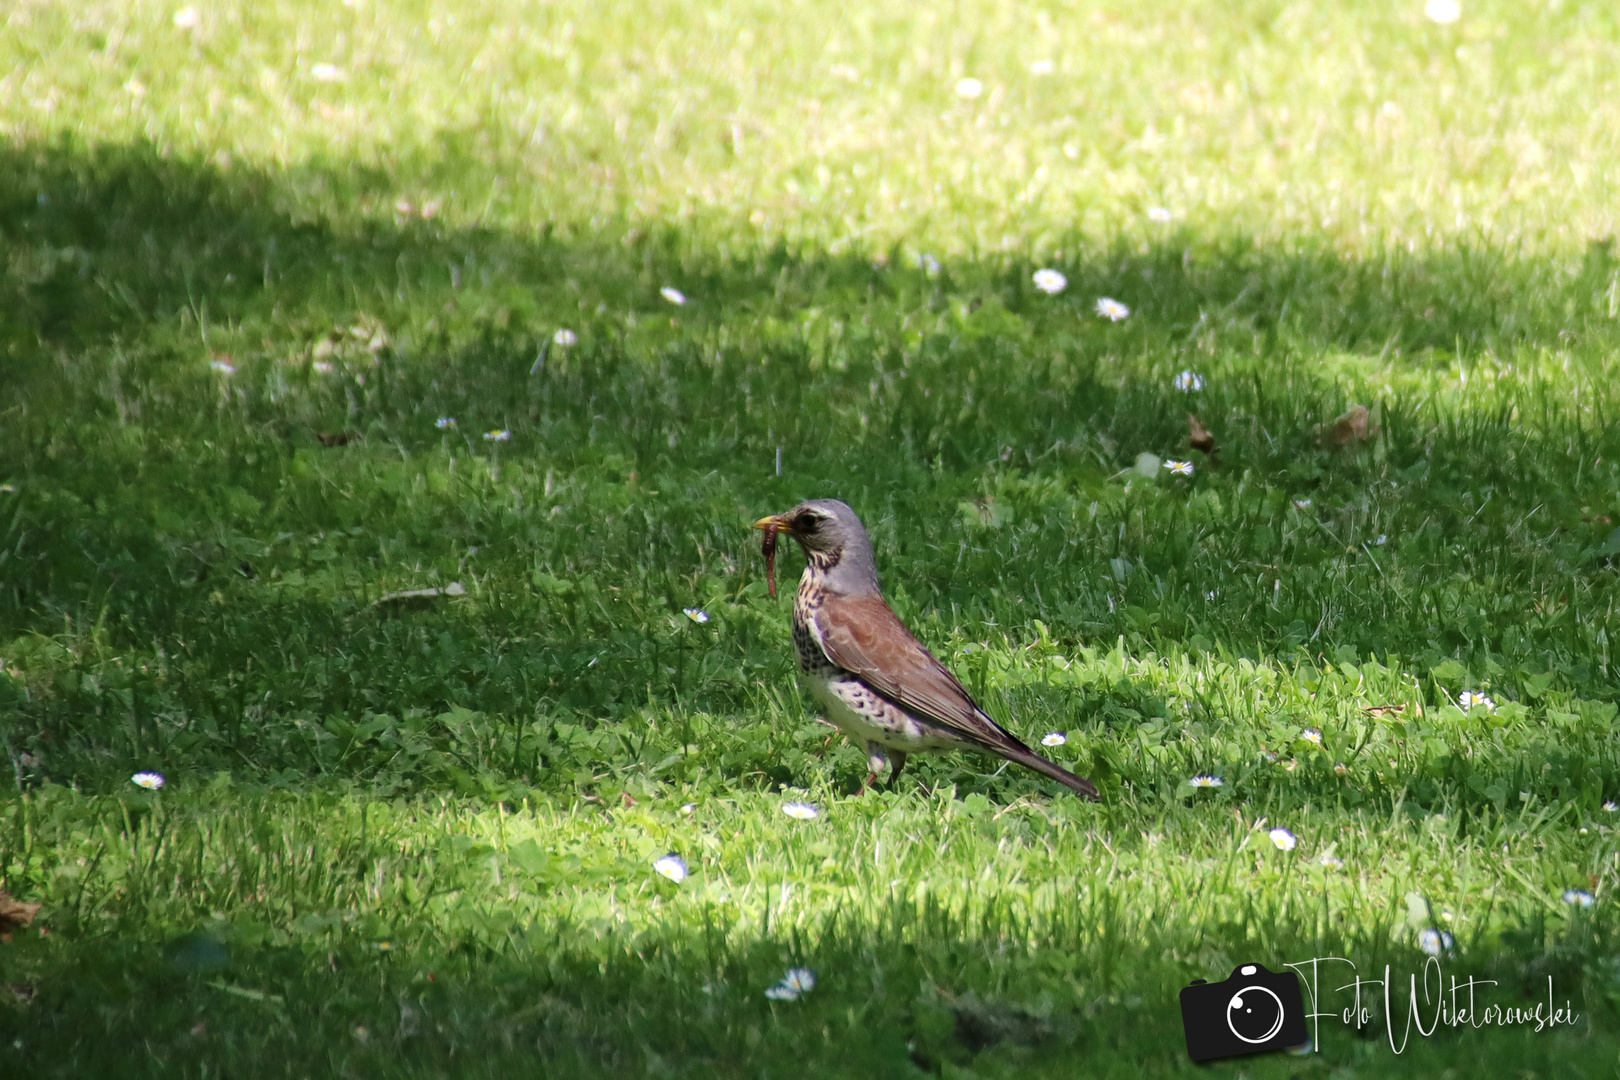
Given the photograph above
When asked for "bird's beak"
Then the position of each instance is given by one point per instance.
(775, 520)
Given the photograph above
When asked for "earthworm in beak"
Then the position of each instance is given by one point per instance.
(767, 547)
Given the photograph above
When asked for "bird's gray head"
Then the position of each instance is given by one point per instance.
(835, 542)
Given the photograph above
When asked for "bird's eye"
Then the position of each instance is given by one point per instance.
(807, 523)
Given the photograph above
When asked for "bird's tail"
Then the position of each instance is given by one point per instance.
(1030, 759)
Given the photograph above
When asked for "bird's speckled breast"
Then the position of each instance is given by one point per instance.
(851, 705)
(812, 661)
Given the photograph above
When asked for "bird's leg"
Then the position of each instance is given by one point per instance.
(897, 765)
(876, 762)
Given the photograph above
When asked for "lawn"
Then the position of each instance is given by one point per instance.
(308, 305)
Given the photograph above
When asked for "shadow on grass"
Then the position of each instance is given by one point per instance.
(918, 992)
(110, 243)
(238, 524)
(190, 566)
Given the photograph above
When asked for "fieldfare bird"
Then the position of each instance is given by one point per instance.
(879, 684)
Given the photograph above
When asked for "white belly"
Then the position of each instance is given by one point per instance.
(865, 717)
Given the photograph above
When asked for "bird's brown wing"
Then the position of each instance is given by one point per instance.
(861, 634)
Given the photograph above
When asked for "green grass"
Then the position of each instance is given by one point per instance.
(418, 841)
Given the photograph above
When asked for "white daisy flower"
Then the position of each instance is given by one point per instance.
(564, 338)
(1179, 468)
(322, 367)
(151, 781)
(403, 207)
(1112, 310)
(327, 73)
(672, 866)
(1042, 67)
(1468, 700)
(1188, 381)
(1341, 768)
(1054, 738)
(1611, 806)
(1579, 898)
(797, 982)
(503, 435)
(1302, 504)
(800, 811)
(187, 18)
(1312, 736)
(801, 979)
(1283, 839)
(673, 295)
(1332, 862)
(1050, 282)
(1159, 215)
(1434, 942)
(224, 367)
(697, 615)
(445, 422)
(929, 265)
(1205, 782)
(1443, 12)
(969, 88)
(1383, 538)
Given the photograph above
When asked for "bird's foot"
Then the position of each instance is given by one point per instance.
(866, 785)
(897, 765)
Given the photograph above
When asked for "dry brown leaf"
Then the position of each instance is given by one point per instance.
(1378, 712)
(14, 915)
(337, 438)
(1348, 429)
(1198, 435)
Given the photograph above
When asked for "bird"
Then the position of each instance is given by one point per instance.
(879, 684)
